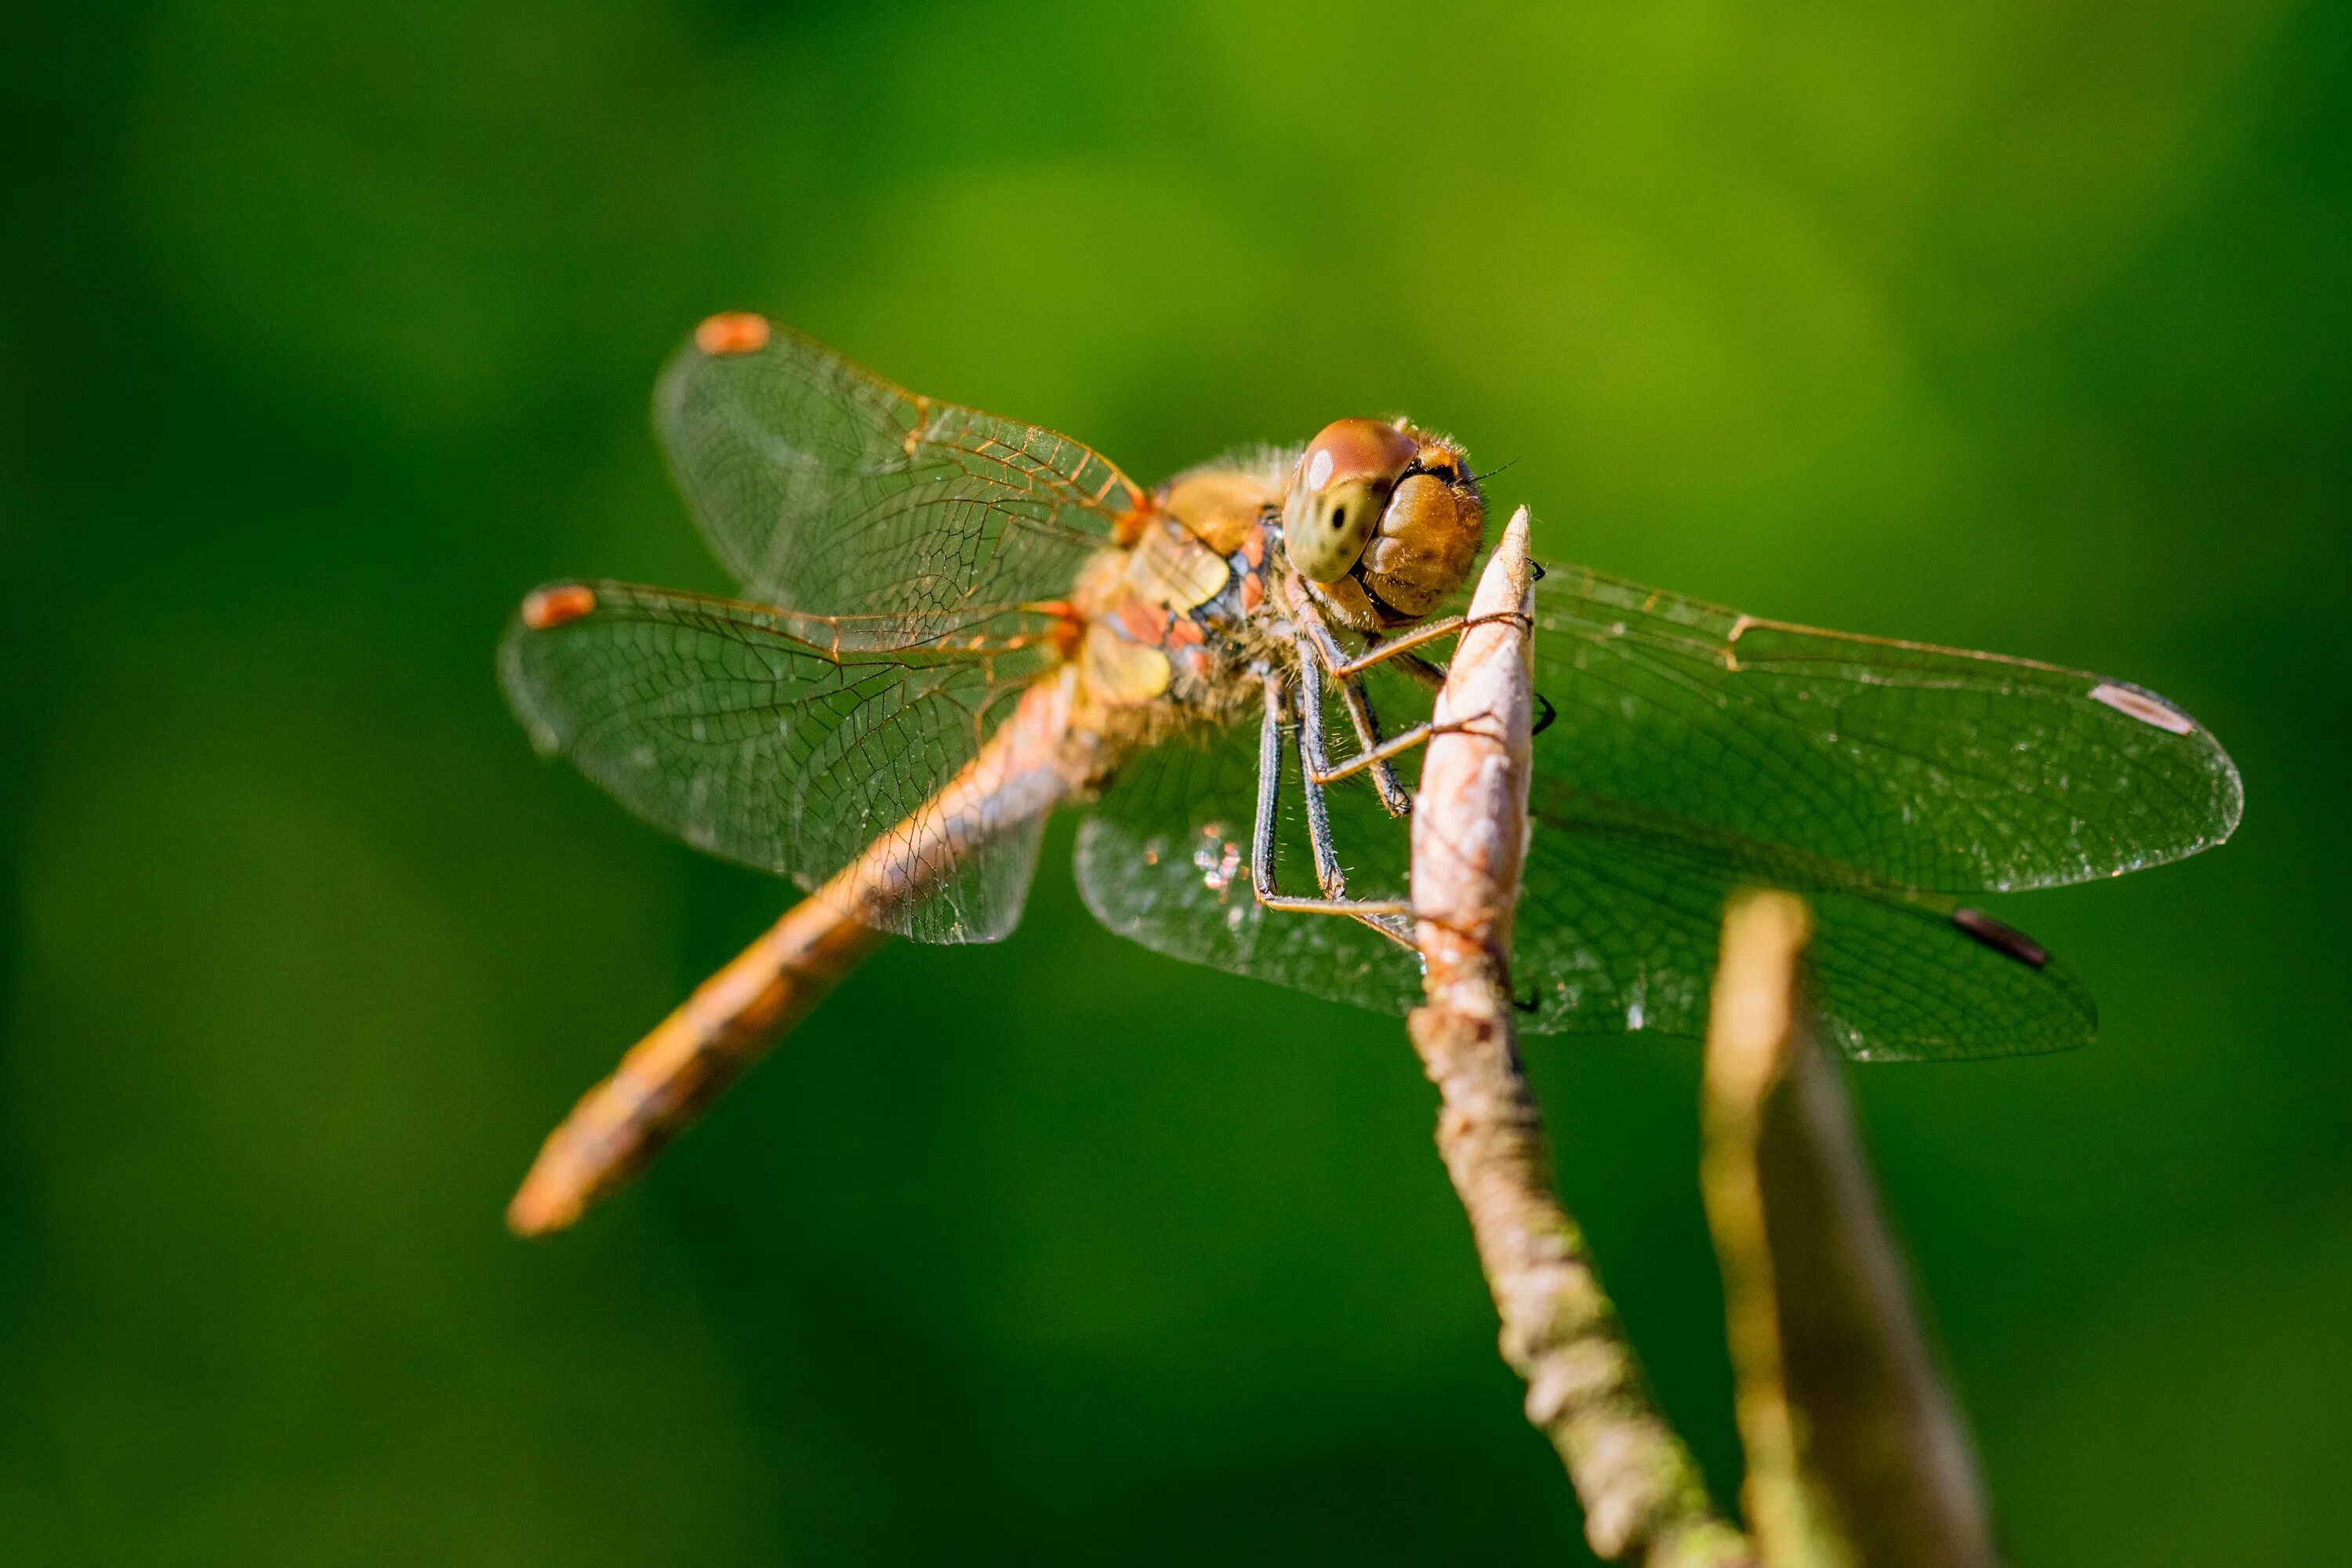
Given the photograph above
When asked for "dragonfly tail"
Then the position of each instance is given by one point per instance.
(736, 1016)
(731, 1021)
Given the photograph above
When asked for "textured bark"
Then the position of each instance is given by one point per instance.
(1644, 1498)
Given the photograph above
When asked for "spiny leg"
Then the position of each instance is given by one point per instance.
(1353, 697)
(1399, 645)
(1421, 671)
(1359, 704)
(1386, 915)
(1269, 783)
(1313, 766)
(1377, 757)
(1346, 674)
(1316, 766)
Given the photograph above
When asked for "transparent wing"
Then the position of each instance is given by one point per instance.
(1163, 859)
(1621, 917)
(786, 742)
(1617, 926)
(1920, 767)
(826, 488)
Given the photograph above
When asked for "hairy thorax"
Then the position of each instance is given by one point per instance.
(1174, 620)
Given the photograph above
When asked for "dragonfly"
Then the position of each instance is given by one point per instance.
(952, 624)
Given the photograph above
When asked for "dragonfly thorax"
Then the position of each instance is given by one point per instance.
(1382, 521)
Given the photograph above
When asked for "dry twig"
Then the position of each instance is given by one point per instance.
(1643, 1495)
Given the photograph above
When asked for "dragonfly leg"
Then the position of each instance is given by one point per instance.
(1270, 785)
(1359, 704)
(1407, 740)
(1356, 700)
(1423, 671)
(1386, 916)
(1313, 766)
(1378, 755)
(1398, 647)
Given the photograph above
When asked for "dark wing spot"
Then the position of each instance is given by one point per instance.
(2007, 941)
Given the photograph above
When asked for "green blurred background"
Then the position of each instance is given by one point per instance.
(328, 330)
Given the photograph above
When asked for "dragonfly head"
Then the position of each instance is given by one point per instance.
(1382, 520)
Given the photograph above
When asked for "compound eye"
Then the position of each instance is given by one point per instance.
(1343, 481)
(1424, 547)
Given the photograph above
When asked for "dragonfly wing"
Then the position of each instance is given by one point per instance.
(982, 897)
(779, 741)
(1617, 928)
(1921, 767)
(1163, 859)
(1621, 918)
(826, 488)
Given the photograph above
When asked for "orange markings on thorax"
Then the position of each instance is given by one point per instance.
(1143, 621)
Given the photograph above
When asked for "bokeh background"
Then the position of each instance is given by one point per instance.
(326, 331)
